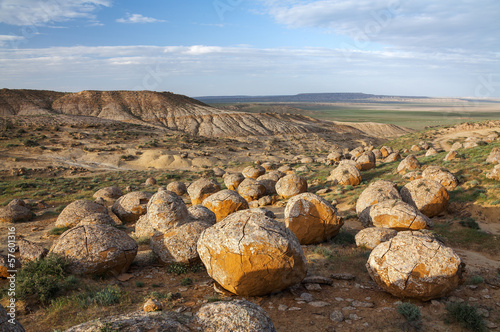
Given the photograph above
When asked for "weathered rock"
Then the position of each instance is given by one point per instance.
(307, 160)
(166, 210)
(470, 145)
(263, 211)
(311, 218)
(269, 183)
(253, 172)
(416, 266)
(494, 174)
(452, 155)
(97, 219)
(201, 213)
(346, 175)
(395, 156)
(178, 245)
(429, 196)
(366, 161)
(233, 180)
(31, 251)
(177, 187)
(96, 249)
(234, 316)
(136, 322)
(410, 163)
(385, 151)
(201, 189)
(494, 156)
(377, 153)
(219, 172)
(456, 146)
(335, 156)
(285, 169)
(8, 324)
(291, 185)
(250, 254)
(373, 236)
(225, 202)
(265, 200)
(77, 211)
(268, 166)
(441, 175)
(415, 175)
(15, 211)
(251, 190)
(431, 152)
(415, 148)
(347, 162)
(355, 153)
(6, 265)
(131, 206)
(376, 192)
(152, 305)
(397, 215)
(150, 182)
(109, 193)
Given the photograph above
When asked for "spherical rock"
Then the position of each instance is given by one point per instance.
(233, 180)
(373, 236)
(386, 151)
(366, 161)
(201, 213)
(234, 316)
(272, 175)
(415, 148)
(410, 163)
(441, 175)
(311, 218)
(456, 146)
(150, 182)
(253, 172)
(250, 254)
(376, 192)
(494, 156)
(431, 152)
(77, 211)
(429, 196)
(397, 215)
(268, 166)
(291, 185)
(15, 211)
(31, 251)
(285, 168)
(269, 184)
(335, 156)
(355, 153)
(201, 189)
(177, 187)
(108, 193)
(96, 249)
(346, 175)
(219, 172)
(395, 156)
(347, 162)
(251, 190)
(452, 155)
(377, 153)
(225, 202)
(131, 206)
(413, 265)
(166, 210)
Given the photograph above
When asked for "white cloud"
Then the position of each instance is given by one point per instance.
(138, 18)
(40, 12)
(8, 40)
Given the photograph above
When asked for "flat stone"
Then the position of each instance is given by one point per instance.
(349, 308)
(319, 304)
(317, 280)
(294, 309)
(313, 287)
(339, 299)
(282, 307)
(306, 297)
(354, 317)
(363, 304)
(125, 277)
(342, 276)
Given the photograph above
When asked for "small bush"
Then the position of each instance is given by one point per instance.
(469, 223)
(475, 280)
(186, 282)
(177, 268)
(104, 297)
(409, 311)
(344, 238)
(58, 230)
(214, 298)
(139, 284)
(466, 315)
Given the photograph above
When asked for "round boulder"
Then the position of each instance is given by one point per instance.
(15, 211)
(218, 172)
(108, 193)
(150, 182)
(373, 236)
(494, 174)
(166, 210)
(429, 196)
(395, 156)
(377, 153)
(97, 219)
(177, 187)
(234, 316)
(201, 189)
(441, 175)
(494, 156)
(251, 190)
(378, 191)
(250, 254)
(291, 185)
(431, 152)
(96, 249)
(452, 155)
(77, 211)
(233, 180)
(335, 156)
(311, 218)
(346, 175)
(131, 206)
(201, 213)
(397, 215)
(385, 151)
(410, 163)
(414, 265)
(253, 172)
(366, 161)
(225, 202)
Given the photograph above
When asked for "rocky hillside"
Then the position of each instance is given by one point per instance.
(175, 112)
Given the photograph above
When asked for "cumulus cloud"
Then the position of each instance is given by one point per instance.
(40, 12)
(10, 40)
(138, 18)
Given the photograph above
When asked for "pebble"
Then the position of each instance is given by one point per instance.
(486, 296)
(472, 299)
(339, 299)
(483, 312)
(317, 280)
(183, 289)
(305, 297)
(349, 300)
(294, 309)
(282, 307)
(319, 304)
(363, 304)
(313, 287)
(354, 317)
(348, 308)
(337, 316)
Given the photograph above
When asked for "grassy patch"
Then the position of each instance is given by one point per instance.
(468, 238)
(466, 315)
(58, 230)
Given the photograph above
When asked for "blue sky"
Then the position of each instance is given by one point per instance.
(260, 47)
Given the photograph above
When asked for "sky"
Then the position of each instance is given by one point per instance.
(444, 48)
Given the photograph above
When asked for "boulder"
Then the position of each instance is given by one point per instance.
(201, 189)
(233, 180)
(376, 192)
(452, 155)
(251, 190)
(15, 211)
(494, 174)
(250, 254)
(347, 162)
(377, 153)
(77, 211)
(398, 215)
(291, 185)
(131, 206)
(410, 163)
(346, 175)
(366, 161)
(355, 153)
(265, 200)
(431, 152)
(494, 156)
(97, 219)
(234, 316)
(386, 151)
(219, 172)
(307, 160)
(429, 196)
(225, 202)
(395, 156)
(456, 146)
(441, 175)
(177, 187)
(415, 148)
(470, 145)
(335, 156)
(414, 265)
(270, 186)
(166, 210)
(150, 182)
(31, 251)
(7, 323)
(201, 213)
(108, 193)
(273, 175)
(373, 236)
(285, 169)
(96, 249)
(311, 218)
(253, 172)
(178, 245)
(268, 166)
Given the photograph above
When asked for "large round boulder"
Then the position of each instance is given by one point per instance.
(15, 211)
(441, 175)
(494, 156)
(77, 211)
(429, 196)
(250, 254)
(225, 202)
(395, 156)
(201, 189)
(177, 187)
(253, 172)
(251, 189)
(452, 155)
(410, 163)
(346, 175)
(131, 206)
(109, 193)
(414, 265)
(311, 218)
(233, 180)
(96, 249)
(201, 213)
(166, 210)
(373, 236)
(234, 316)
(397, 215)
(291, 185)
(366, 161)
(378, 191)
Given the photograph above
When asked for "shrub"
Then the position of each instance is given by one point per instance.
(466, 315)
(104, 297)
(344, 238)
(469, 223)
(214, 298)
(139, 284)
(475, 280)
(409, 311)
(186, 282)
(177, 268)
(58, 230)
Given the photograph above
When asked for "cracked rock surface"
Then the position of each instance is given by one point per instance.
(253, 172)
(131, 206)
(109, 193)
(234, 316)
(494, 174)
(201, 189)
(225, 202)
(397, 215)
(177, 187)
(415, 265)
(233, 180)
(250, 254)
(376, 192)
(96, 249)
(291, 185)
(441, 175)
(366, 161)
(346, 174)
(410, 163)
(429, 196)
(251, 189)
(77, 211)
(373, 236)
(311, 218)
(15, 211)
